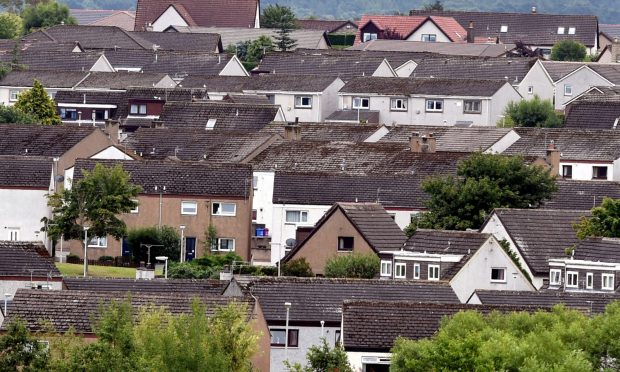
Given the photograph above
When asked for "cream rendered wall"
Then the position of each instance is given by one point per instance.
(538, 79)
(168, 18)
(500, 100)
(583, 171)
(357, 359)
(401, 217)
(286, 100)
(282, 230)
(308, 336)
(234, 68)
(384, 70)
(262, 201)
(580, 80)
(429, 28)
(22, 210)
(329, 99)
(406, 69)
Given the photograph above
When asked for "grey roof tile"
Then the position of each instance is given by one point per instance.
(582, 195)
(451, 67)
(593, 113)
(40, 140)
(25, 171)
(19, 258)
(178, 286)
(121, 80)
(422, 86)
(451, 138)
(327, 131)
(445, 241)
(49, 79)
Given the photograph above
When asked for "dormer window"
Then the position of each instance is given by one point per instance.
(137, 109)
(503, 28)
(571, 30)
(561, 30)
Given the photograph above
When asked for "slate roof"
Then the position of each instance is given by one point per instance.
(216, 83)
(422, 86)
(453, 49)
(194, 144)
(598, 250)
(354, 116)
(90, 37)
(228, 13)
(229, 116)
(611, 31)
(288, 83)
(54, 60)
(316, 299)
(25, 171)
(328, 25)
(121, 80)
(327, 131)
(582, 195)
(540, 234)
(49, 79)
(404, 26)
(583, 301)
(180, 178)
(445, 241)
(574, 144)
(40, 140)
(593, 113)
(95, 97)
(512, 70)
(123, 19)
(248, 99)
(375, 325)
(198, 287)
(19, 258)
(533, 29)
(207, 42)
(558, 70)
(78, 309)
(451, 138)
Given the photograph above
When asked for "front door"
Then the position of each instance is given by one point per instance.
(125, 247)
(190, 248)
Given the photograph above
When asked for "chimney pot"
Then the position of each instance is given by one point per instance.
(470, 33)
(533, 10)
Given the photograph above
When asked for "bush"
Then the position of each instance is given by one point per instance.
(354, 265)
(533, 113)
(299, 267)
(106, 259)
(165, 236)
(72, 258)
(188, 270)
(568, 50)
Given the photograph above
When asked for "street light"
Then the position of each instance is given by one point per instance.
(85, 250)
(165, 259)
(148, 247)
(6, 299)
(287, 305)
(322, 327)
(182, 259)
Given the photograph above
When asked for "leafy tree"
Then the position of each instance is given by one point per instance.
(19, 351)
(282, 18)
(298, 267)
(258, 48)
(483, 182)
(187, 270)
(568, 50)
(325, 359)
(11, 26)
(437, 5)
(533, 113)
(240, 49)
(166, 239)
(36, 102)
(94, 201)
(355, 265)
(210, 238)
(9, 114)
(46, 14)
(605, 221)
(16, 6)
(392, 34)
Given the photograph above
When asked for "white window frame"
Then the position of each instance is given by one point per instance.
(14, 95)
(394, 102)
(472, 102)
(555, 274)
(498, 280)
(400, 270)
(611, 278)
(572, 30)
(139, 107)
(416, 271)
(561, 30)
(358, 103)
(530, 89)
(431, 38)
(570, 274)
(600, 167)
(589, 280)
(367, 36)
(255, 182)
(137, 208)
(303, 216)
(99, 242)
(434, 103)
(221, 212)
(503, 28)
(431, 269)
(299, 102)
(386, 268)
(568, 90)
(186, 208)
(219, 245)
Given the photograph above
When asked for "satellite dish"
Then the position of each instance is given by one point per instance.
(291, 242)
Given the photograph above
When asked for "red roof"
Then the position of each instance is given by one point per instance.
(406, 25)
(205, 13)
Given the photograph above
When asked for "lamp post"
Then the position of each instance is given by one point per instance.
(86, 250)
(287, 305)
(165, 259)
(182, 258)
(6, 300)
(322, 327)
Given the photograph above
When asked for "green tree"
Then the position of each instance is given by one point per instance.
(95, 202)
(324, 359)
(533, 113)
(36, 102)
(483, 182)
(210, 243)
(46, 14)
(283, 19)
(11, 26)
(258, 48)
(437, 5)
(355, 265)
(605, 221)
(298, 267)
(166, 241)
(9, 114)
(19, 351)
(568, 50)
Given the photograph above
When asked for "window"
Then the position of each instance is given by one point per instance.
(345, 243)
(68, 114)
(589, 281)
(398, 104)
(530, 90)
(337, 336)
(433, 272)
(472, 106)
(429, 38)
(278, 336)
(369, 36)
(434, 105)
(98, 242)
(135, 210)
(296, 216)
(386, 268)
(303, 102)
(223, 209)
(189, 207)
(599, 173)
(571, 30)
(572, 279)
(210, 124)
(361, 103)
(13, 95)
(608, 282)
(561, 30)
(13, 234)
(555, 277)
(498, 275)
(255, 182)
(503, 28)
(271, 98)
(567, 171)
(400, 270)
(254, 214)
(225, 244)
(137, 109)
(416, 271)
(568, 90)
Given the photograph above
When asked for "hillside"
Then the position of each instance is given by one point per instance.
(607, 10)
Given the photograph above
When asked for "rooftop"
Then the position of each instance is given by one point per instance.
(177, 286)
(582, 195)
(593, 113)
(327, 131)
(122, 80)
(25, 171)
(451, 138)
(445, 241)
(512, 70)
(24, 258)
(452, 49)
(404, 26)
(49, 79)
(40, 140)
(422, 86)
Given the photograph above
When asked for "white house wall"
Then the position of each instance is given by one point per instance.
(429, 28)
(22, 210)
(504, 143)
(111, 153)
(500, 100)
(262, 198)
(329, 99)
(308, 336)
(541, 84)
(308, 115)
(580, 81)
(282, 230)
(384, 70)
(583, 171)
(401, 217)
(406, 69)
(234, 67)
(168, 18)
(357, 358)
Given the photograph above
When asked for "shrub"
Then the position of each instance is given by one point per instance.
(188, 270)
(533, 113)
(106, 259)
(568, 50)
(299, 267)
(354, 265)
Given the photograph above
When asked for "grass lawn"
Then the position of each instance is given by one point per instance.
(67, 269)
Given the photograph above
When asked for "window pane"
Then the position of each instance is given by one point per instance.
(345, 243)
(498, 274)
(292, 216)
(228, 208)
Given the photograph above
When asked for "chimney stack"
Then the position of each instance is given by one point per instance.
(470, 32)
(422, 143)
(112, 128)
(533, 10)
(553, 158)
(156, 123)
(292, 131)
